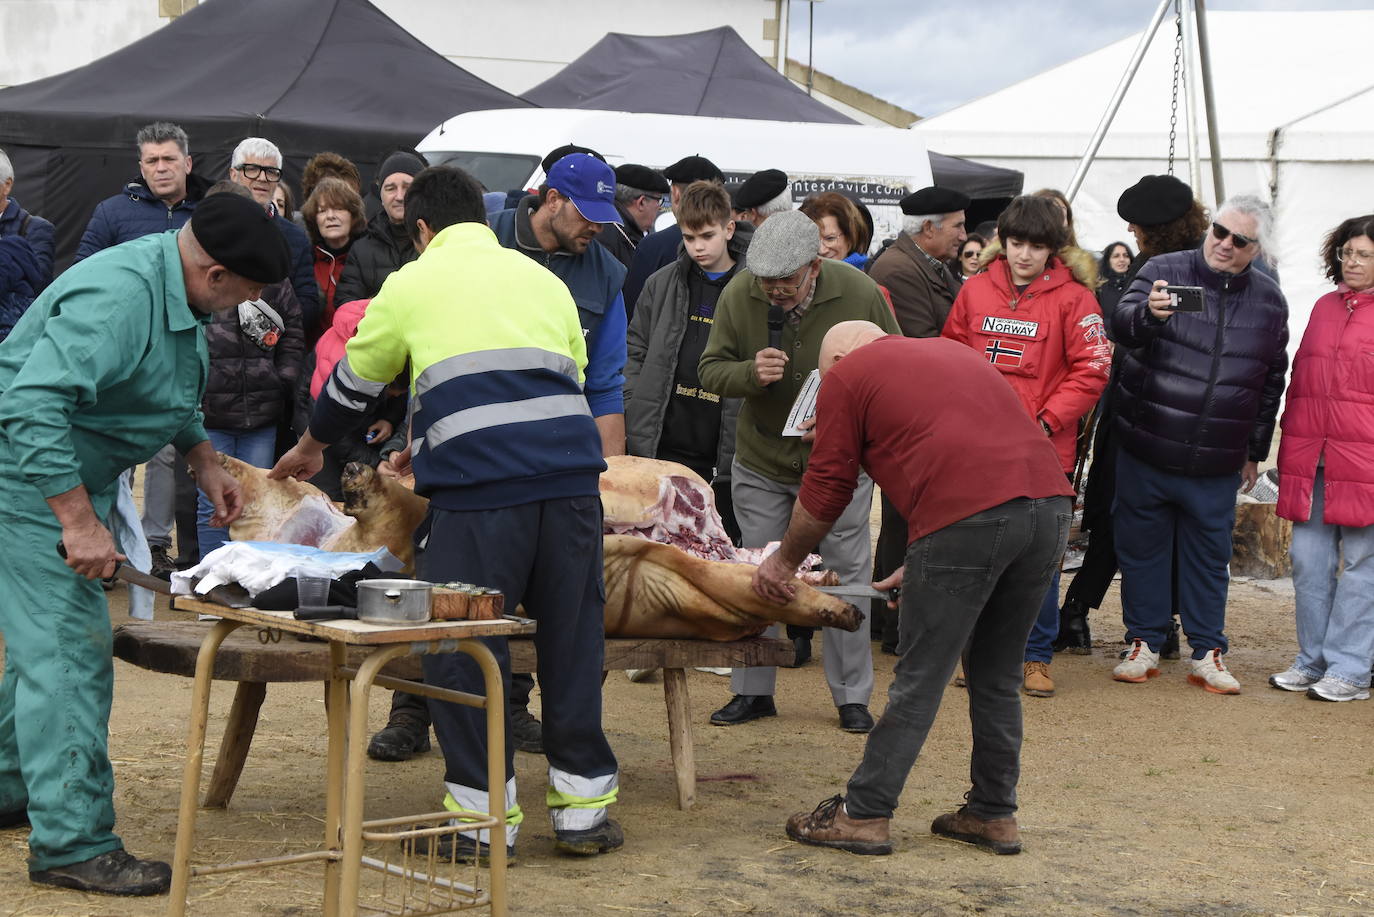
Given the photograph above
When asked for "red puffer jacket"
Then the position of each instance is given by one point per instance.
(1330, 412)
(1048, 342)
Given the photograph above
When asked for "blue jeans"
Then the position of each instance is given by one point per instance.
(1335, 614)
(1040, 644)
(1153, 509)
(975, 583)
(256, 447)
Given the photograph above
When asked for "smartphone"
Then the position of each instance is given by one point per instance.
(1185, 299)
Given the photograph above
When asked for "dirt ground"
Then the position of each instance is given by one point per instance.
(1151, 799)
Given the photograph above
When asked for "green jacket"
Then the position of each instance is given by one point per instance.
(843, 293)
(105, 368)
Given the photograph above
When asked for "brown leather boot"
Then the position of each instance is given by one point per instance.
(1036, 680)
(830, 826)
(1000, 835)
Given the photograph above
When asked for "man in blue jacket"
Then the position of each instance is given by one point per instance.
(26, 249)
(16, 221)
(161, 198)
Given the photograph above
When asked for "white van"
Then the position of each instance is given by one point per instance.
(876, 166)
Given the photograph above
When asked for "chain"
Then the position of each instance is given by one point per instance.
(1178, 70)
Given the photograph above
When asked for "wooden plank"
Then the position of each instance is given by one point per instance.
(360, 633)
(680, 735)
(238, 738)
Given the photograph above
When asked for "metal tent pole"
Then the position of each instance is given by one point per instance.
(1096, 143)
(1190, 95)
(1209, 105)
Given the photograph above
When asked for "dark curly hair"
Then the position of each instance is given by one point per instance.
(1336, 239)
(328, 164)
(1176, 235)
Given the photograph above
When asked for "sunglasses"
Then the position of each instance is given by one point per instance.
(1221, 232)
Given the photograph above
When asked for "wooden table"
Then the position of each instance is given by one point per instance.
(172, 647)
(347, 718)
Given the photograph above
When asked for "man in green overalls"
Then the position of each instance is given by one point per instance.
(105, 368)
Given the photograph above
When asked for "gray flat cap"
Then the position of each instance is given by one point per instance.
(783, 245)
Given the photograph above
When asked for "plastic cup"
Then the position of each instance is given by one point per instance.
(312, 591)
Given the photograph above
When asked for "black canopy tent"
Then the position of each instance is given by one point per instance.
(715, 73)
(309, 75)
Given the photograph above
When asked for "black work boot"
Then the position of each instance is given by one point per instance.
(401, 739)
(115, 872)
(587, 842)
(1170, 648)
(1073, 630)
(526, 732)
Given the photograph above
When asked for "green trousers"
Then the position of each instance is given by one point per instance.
(56, 688)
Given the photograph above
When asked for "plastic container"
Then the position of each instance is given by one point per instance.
(312, 591)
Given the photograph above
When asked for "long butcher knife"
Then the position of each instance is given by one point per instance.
(855, 591)
(220, 595)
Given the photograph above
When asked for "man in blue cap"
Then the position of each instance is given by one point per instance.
(105, 368)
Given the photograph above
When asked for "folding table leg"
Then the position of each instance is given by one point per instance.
(336, 713)
(496, 767)
(195, 761)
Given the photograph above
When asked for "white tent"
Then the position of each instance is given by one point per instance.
(1295, 112)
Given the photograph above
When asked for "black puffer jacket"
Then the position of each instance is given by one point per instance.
(249, 388)
(1198, 393)
(379, 251)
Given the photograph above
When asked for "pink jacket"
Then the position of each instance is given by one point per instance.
(1330, 412)
(329, 349)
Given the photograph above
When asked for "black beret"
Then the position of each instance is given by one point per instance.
(934, 200)
(1154, 200)
(760, 188)
(641, 178)
(567, 149)
(238, 233)
(693, 168)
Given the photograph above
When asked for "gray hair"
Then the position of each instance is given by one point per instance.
(913, 225)
(625, 194)
(258, 148)
(162, 132)
(1252, 206)
(6, 167)
(777, 205)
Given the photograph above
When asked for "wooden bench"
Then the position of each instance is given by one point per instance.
(171, 647)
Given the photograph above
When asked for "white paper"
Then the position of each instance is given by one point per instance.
(804, 408)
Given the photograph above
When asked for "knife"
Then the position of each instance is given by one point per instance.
(220, 595)
(854, 591)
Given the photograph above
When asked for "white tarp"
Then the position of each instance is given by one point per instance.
(1295, 111)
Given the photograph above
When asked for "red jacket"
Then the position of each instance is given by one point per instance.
(329, 349)
(328, 269)
(1330, 413)
(1048, 342)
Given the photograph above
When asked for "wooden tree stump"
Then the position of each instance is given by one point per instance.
(1260, 542)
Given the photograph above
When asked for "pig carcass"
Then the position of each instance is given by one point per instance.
(670, 570)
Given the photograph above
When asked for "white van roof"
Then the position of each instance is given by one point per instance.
(735, 145)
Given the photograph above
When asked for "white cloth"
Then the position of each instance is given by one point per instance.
(127, 529)
(259, 565)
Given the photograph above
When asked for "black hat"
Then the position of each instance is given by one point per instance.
(400, 161)
(760, 188)
(1154, 200)
(567, 149)
(934, 200)
(641, 178)
(238, 233)
(693, 168)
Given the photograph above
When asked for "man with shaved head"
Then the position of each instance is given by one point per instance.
(987, 511)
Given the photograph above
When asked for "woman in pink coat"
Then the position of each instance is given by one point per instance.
(1326, 477)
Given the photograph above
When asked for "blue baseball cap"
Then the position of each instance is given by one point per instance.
(589, 183)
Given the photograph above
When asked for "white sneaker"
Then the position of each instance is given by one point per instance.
(1139, 665)
(1210, 672)
(639, 675)
(1292, 679)
(1333, 689)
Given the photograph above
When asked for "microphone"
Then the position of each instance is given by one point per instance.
(775, 320)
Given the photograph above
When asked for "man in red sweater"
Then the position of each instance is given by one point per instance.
(987, 510)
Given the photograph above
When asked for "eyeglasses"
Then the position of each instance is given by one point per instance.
(1221, 232)
(656, 198)
(1352, 255)
(253, 170)
(785, 286)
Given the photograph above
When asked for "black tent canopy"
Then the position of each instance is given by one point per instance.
(715, 73)
(309, 75)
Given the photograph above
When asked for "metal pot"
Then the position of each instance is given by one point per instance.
(393, 601)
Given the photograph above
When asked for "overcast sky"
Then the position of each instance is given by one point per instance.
(922, 55)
